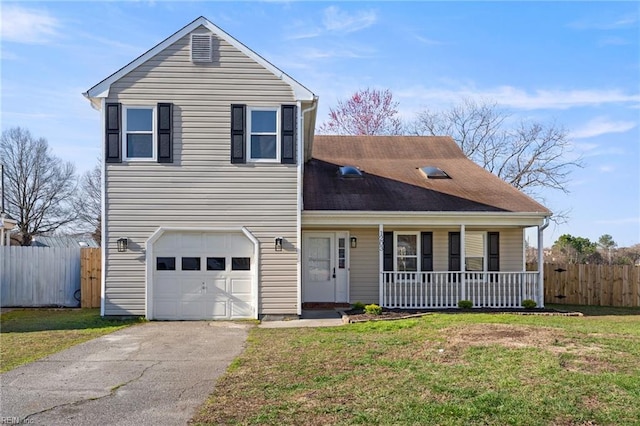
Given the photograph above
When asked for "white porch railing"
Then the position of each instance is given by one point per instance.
(418, 290)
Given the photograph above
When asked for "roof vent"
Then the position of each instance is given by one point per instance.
(350, 172)
(434, 173)
(201, 48)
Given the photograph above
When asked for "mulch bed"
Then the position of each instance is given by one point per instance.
(358, 315)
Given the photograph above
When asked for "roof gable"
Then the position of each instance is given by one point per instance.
(393, 180)
(101, 90)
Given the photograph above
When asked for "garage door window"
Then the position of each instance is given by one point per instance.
(240, 263)
(216, 264)
(166, 264)
(190, 263)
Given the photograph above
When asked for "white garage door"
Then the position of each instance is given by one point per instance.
(202, 275)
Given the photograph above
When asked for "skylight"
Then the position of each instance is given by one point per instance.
(350, 172)
(432, 172)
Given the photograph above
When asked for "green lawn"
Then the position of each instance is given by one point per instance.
(441, 369)
(30, 334)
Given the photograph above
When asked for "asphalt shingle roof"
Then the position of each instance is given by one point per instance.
(393, 180)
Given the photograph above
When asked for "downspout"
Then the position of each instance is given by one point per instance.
(104, 245)
(300, 171)
(541, 260)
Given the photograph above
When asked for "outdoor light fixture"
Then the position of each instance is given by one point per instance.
(122, 244)
(278, 243)
(354, 242)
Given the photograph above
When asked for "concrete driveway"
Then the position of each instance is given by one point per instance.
(155, 373)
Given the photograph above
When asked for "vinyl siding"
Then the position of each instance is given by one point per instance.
(201, 188)
(365, 269)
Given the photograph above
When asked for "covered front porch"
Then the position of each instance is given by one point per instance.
(428, 261)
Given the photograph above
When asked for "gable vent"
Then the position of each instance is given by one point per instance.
(201, 48)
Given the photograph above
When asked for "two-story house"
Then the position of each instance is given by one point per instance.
(220, 202)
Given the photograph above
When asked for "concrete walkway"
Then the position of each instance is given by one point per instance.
(315, 318)
(155, 373)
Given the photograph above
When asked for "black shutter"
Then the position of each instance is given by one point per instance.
(238, 120)
(493, 251)
(288, 147)
(113, 136)
(165, 134)
(387, 253)
(454, 251)
(426, 251)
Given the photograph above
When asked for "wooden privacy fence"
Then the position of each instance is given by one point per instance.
(90, 277)
(595, 285)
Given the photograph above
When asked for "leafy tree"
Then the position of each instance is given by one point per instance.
(576, 249)
(39, 186)
(366, 112)
(89, 199)
(530, 156)
(606, 243)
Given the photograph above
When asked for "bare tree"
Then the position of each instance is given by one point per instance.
(88, 202)
(366, 112)
(531, 156)
(40, 186)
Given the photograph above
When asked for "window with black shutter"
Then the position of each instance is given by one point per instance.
(165, 137)
(454, 251)
(493, 251)
(113, 137)
(238, 113)
(263, 134)
(426, 251)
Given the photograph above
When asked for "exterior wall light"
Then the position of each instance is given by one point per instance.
(278, 243)
(122, 244)
(354, 242)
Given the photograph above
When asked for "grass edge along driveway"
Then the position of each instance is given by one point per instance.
(29, 334)
(462, 369)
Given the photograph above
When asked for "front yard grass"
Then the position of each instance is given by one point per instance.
(30, 334)
(441, 369)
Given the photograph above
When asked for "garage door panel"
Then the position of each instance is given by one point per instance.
(240, 286)
(190, 287)
(166, 309)
(193, 309)
(219, 309)
(240, 309)
(167, 287)
(217, 285)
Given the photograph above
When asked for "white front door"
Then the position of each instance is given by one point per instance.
(326, 270)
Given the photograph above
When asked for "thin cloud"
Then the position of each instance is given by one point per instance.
(429, 41)
(513, 97)
(613, 41)
(601, 126)
(606, 23)
(337, 20)
(28, 26)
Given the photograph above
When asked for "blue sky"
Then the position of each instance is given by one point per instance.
(575, 63)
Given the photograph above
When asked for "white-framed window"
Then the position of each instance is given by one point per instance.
(139, 133)
(263, 134)
(407, 251)
(474, 251)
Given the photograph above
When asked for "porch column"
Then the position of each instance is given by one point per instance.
(463, 293)
(541, 264)
(380, 264)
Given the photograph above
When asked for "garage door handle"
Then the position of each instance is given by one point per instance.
(204, 287)
(334, 272)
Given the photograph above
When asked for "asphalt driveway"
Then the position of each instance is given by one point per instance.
(155, 373)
